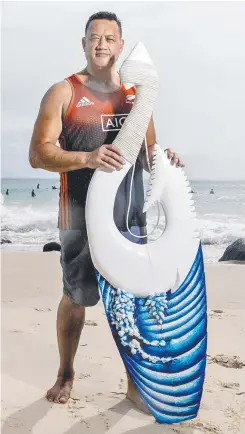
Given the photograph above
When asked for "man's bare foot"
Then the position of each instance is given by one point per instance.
(134, 396)
(61, 391)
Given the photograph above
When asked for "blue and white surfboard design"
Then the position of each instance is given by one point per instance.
(162, 340)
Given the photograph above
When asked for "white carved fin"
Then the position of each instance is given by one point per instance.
(156, 181)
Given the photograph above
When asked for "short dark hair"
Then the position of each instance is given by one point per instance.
(110, 16)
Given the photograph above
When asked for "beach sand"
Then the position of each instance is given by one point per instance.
(31, 290)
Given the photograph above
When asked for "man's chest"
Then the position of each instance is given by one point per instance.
(101, 114)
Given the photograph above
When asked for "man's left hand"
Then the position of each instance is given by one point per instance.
(173, 157)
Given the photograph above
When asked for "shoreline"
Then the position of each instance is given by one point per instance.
(211, 253)
(31, 291)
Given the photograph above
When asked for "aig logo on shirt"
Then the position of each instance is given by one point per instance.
(112, 122)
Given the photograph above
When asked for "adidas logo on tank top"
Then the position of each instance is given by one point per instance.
(84, 102)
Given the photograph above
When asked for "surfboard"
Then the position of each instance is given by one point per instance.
(154, 294)
(162, 340)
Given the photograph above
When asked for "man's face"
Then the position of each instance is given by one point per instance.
(102, 44)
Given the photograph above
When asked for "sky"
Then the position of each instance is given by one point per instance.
(199, 52)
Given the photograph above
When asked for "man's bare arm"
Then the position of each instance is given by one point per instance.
(45, 154)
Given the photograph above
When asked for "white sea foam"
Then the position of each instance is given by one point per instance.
(30, 223)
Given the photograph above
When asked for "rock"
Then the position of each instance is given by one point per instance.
(53, 246)
(235, 252)
(5, 241)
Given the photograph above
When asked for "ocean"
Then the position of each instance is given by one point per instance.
(30, 222)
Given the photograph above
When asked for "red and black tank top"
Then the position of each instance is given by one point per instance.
(94, 118)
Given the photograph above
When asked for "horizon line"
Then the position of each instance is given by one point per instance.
(191, 180)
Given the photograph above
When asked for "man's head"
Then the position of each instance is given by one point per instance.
(103, 42)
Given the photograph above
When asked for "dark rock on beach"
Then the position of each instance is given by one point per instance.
(235, 252)
(52, 246)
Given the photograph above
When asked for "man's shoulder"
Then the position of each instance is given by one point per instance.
(61, 86)
(58, 91)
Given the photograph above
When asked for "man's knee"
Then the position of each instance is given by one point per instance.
(68, 304)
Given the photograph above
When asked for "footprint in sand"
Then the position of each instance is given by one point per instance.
(117, 393)
(44, 309)
(227, 361)
(216, 313)
(16, 331)
(89, 399)
(75, 407)
(206, 427)
(230, 385)
(91, 323)
(121, 384)
(82, 376)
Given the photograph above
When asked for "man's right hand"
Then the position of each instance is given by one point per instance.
(105, 157)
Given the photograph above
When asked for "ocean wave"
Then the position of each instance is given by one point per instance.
(30, 225)
(211, 232)
(27, 219)
(216, 232)
(236, 198)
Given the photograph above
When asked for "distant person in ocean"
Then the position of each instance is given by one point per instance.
(211, 191)
(38, 186)
(7, 192)
(67, 113)
(53, 187)
(33, 193)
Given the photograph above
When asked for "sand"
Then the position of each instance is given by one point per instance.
(31, 290)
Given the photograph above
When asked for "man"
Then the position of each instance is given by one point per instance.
(85, 112)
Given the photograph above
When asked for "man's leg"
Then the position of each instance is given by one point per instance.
(80, 290)
(70, 322)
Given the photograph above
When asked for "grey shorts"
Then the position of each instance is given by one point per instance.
(79, 278)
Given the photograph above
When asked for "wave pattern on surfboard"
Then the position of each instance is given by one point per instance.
(162, 340)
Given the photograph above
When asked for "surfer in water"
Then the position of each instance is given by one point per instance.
(84, 112)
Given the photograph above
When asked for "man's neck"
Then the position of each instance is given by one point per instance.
(106, 79)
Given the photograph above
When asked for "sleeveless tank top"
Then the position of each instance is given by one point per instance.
(94, 118)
